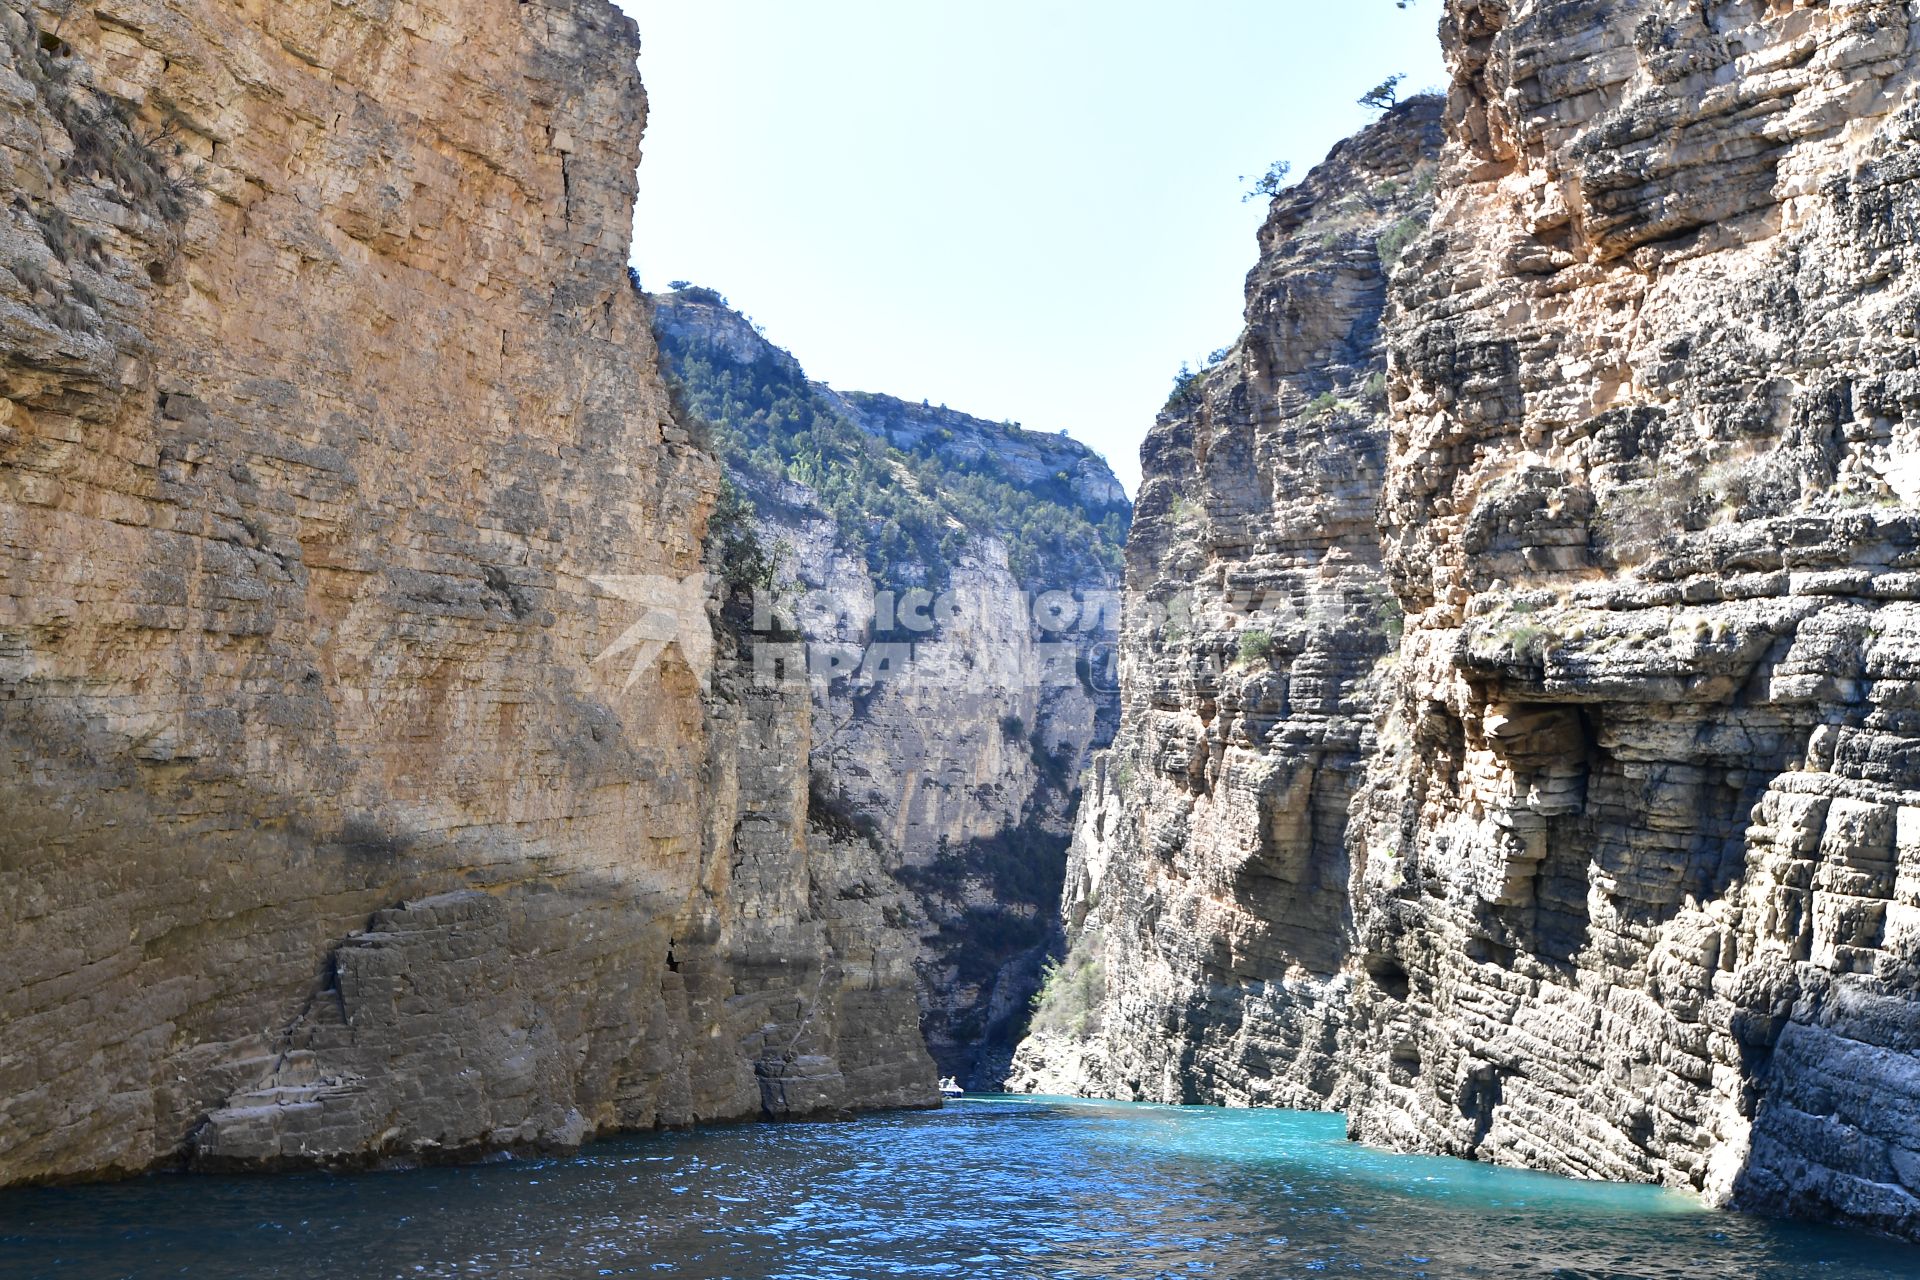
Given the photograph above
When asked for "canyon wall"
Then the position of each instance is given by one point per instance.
(1638, 891)
(1206, 896)
(332, 455)
(1632, 888)
(957, 747)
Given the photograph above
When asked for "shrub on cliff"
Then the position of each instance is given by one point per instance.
(1255, 647)
(745, 562)
(1393, 242)
(1383, 96)
(1387, 613)
(1270, 184)
(1071, 990)
(1186, 389)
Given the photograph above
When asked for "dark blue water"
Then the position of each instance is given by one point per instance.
(985, 1188)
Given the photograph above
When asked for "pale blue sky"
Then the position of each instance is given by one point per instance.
(1025, 209)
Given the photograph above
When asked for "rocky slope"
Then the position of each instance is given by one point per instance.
(1207, 895)
(955, 747)
(1631, 887)
(330, 438)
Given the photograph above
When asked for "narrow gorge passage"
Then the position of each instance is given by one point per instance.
(479, 716)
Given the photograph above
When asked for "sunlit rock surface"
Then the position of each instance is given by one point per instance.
(324, 401)
(1636, 859)
(1631, 889)
(1210, 869)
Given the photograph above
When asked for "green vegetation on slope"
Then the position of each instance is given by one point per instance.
(770, 425)
(908, 513)
(1071, 991)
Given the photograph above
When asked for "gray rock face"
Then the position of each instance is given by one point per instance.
(324, 401)
(960, 758)
(1629, 889)
(1209, 872)
(1633, 861)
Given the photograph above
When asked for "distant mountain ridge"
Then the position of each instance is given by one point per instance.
(1053, 500)
(957, 750)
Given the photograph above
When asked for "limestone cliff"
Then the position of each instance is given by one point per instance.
(332, 450)
(955, 746)
(1207, 893)
(1636, 880)
(1630, 890)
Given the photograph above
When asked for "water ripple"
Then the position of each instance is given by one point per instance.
(985, 1189)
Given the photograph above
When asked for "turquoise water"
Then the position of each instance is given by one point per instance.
(988, 1187)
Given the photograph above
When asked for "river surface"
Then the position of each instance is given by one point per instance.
(988, 1187)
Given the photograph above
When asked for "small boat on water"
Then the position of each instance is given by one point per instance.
(950, 1088)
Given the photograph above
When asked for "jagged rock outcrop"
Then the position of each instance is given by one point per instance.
(469, 1021)
(1209, 874)
(955, 747)
(1632, 880)
(1635, 866)
(327, 416)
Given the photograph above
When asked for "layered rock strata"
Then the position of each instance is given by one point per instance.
(1209, 875)
(1630, 888)
(1633, 889)
(330, 438)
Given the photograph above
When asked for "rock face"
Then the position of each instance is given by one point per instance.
(1208, 883)
(1633, 886)
(955, 749)
(324, 401)
(1636, 880)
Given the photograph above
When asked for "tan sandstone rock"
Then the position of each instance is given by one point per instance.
(324, 399)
